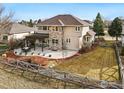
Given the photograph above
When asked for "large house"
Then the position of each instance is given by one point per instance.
(58, 32)
(67, 31)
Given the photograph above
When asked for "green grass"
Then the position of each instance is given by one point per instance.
(99, 64)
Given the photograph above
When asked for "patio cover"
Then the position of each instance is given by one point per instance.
(38, 36)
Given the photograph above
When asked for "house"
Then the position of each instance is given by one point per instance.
(67, 32)
(4, 34)
(59, 32)
(15, 31)
(19, 31)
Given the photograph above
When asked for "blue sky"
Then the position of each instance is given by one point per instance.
(81, 10)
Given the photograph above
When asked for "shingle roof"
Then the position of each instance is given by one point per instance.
(18, 28)
(63, 20)
(91, 32)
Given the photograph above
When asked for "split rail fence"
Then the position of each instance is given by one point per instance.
(50, 73)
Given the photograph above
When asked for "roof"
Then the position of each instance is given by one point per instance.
(63, 20)
(18, 28)
(88, 21)
(37, 35)
(91, 32)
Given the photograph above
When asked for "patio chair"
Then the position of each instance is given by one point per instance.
(32, 53)
(50, 55)
(43, 54)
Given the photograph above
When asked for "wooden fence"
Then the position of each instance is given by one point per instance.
(120, 65)
(82, 82)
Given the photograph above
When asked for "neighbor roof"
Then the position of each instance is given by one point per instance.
(18, 28)
(63, 20)
(91, 32)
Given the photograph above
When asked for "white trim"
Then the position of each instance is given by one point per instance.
(61, 22)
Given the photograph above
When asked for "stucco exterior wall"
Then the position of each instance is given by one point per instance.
(73, 35)
(18, 36)
(83, 32)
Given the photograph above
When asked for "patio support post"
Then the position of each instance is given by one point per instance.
(42, 45)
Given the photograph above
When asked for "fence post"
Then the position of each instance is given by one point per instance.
(118, 61)
(64, 81)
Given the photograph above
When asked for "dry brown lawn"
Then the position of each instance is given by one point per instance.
(99, 64)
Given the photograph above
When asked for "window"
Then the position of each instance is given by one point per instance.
(44, 27)
(62, 28)
(40, 28)
(78, 28)
(68, 40)
(5, 37)
(87, 38)
(56, 28)
(55, 41)
(48, 28)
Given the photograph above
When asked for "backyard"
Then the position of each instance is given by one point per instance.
(98, 64)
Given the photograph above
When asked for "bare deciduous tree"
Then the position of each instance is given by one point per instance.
(5, 19)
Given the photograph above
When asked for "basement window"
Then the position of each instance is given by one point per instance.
(5, 37)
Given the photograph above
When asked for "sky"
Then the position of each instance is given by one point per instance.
(86, 11)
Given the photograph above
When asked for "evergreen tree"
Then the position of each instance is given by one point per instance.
(115, 28)
(98, 26)
(39, 21)
(30, 23)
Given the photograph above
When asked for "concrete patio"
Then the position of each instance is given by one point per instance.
(59, 54)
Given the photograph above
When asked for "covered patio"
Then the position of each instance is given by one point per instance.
(36, 40)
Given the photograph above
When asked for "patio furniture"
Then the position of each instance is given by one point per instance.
(32, 53)
(50, 55)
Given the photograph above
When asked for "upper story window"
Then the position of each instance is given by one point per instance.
(62, 28)
(78, 28)
(44, 27)
(40, 28)
(56, 28)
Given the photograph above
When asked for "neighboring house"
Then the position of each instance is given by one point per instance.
(15, 31)
(19, 31)
(4, 34)
(67, 32)
(90, 23)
